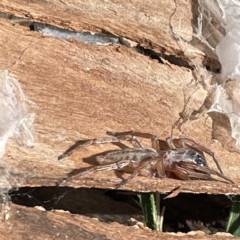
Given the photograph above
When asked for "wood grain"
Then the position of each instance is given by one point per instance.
(81, 90)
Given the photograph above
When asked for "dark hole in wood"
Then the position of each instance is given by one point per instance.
(186, 212)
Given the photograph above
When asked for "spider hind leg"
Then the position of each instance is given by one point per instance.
(88, 142)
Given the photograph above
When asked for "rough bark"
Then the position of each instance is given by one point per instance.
(81, 90)
(125, 19)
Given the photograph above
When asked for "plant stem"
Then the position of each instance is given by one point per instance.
(150, 209)
(233, 225)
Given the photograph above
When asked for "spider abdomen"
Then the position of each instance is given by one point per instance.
(133, 155)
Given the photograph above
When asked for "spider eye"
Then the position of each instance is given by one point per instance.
(200, 160)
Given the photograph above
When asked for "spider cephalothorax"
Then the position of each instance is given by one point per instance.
(180, 158)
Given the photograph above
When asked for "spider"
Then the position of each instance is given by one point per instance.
(173, 158)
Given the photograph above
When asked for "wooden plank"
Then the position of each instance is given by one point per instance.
(149, 23)
(26, 223)
(82, 90)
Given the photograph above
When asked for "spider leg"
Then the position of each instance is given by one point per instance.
(187, 170)
(188, 143)
(184, 173)
(87, 142)
(147, 164)
(114, 166)
(196, 169)
(133, 134)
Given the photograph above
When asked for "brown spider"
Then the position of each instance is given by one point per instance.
(176, 158)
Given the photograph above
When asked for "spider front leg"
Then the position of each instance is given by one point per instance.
(200, 172)
(185, 171)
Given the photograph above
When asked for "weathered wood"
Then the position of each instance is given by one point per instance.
(151, 23)
(29, 223)
(82, 90)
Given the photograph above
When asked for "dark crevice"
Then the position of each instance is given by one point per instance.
(160, 56)
(172, 59)
(103, 38)
(106, 37)
(186, 212)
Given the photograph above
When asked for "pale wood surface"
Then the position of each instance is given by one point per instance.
(150, 23)
(81, 90)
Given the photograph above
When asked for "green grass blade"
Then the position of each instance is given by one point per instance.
(149, 209)
(233, 225)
